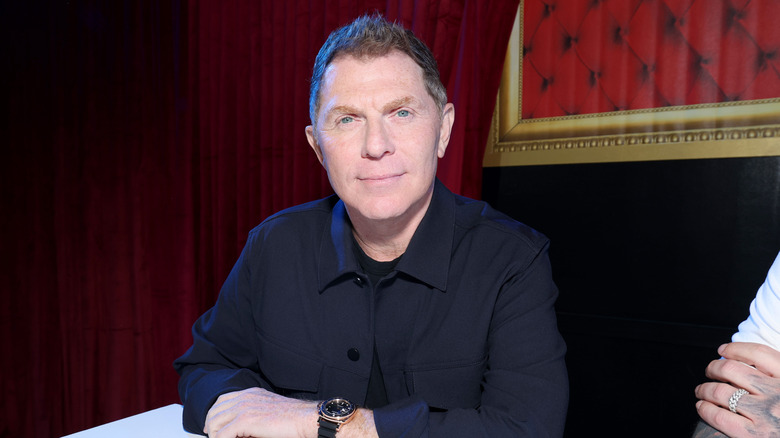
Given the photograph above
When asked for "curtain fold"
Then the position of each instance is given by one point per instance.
(145, 139)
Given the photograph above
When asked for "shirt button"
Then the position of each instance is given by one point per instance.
(353, 354)
(359, 281)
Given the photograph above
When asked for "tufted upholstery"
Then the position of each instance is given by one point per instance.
(591, 56)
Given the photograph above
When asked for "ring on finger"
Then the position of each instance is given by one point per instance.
(734, 399)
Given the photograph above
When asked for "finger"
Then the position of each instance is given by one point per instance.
(731, 424)
(225, 424)
(716, 393)
(227, 417)
(215, 420)
(764, 358)
(232, 429)
(734, 372)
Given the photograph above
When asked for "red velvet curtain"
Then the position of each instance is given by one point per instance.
(144, 140)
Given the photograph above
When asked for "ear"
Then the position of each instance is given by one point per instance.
(315, 145)
(447, 119)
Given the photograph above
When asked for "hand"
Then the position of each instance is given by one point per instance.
(258, 413)
(754, 367)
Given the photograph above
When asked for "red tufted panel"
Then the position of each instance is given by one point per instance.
(591, 56)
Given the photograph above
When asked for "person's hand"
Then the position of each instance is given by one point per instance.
(258, 413)
(758, 411)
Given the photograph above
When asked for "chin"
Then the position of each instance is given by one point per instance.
(380, 214)
(381, 210)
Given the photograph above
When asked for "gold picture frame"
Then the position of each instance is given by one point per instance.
(722, 130)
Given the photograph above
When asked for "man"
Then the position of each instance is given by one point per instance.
(394, 308)
(744, 401)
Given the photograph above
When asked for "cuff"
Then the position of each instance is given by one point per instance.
(204, 391)
(407, 418)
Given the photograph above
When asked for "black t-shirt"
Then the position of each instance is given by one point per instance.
(377, 394)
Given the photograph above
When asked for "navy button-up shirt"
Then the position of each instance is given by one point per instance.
(464, 326)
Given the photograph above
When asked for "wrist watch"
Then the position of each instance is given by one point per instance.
(333, 413)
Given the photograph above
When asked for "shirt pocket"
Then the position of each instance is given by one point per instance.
(448, 386)
(291, 373)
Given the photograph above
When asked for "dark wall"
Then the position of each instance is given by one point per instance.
(656, 263)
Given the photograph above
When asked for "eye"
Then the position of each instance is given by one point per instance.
(345, 120)
(403, 113)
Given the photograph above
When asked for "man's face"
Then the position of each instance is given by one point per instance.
(379, 135)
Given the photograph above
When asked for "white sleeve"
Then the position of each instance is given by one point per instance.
(763, 324)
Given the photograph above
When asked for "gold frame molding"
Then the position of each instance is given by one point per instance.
(723, 130)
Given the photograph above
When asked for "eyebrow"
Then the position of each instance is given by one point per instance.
(341, 109)
(401, 101)
(389, 106)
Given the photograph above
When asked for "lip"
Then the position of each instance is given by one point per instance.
(380, 178)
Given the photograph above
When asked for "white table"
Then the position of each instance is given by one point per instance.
(164, 422)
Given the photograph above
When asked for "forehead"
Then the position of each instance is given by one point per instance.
(349, 74)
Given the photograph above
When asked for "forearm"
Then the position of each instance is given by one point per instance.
(361, 426)
(306, 422)
(199, 388)
(258, 412)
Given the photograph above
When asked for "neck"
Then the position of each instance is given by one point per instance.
(380, 247)
(387, 239)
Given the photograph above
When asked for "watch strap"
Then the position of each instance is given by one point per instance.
(327, 428)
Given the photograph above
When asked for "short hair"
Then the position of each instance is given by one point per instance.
(372, 36)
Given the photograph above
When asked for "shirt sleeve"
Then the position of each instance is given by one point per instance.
(219, 361)
(525, 385)
(763, 326)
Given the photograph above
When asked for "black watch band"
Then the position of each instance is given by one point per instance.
(327, 428)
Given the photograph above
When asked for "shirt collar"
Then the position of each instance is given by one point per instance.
(427, 258)
(336, 255)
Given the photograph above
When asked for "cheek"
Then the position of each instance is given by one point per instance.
(335, 165)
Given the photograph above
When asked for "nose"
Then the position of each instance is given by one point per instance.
(377, 142)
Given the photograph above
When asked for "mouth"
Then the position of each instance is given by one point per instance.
(380, 178)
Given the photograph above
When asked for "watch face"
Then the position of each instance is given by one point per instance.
(338, 407)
